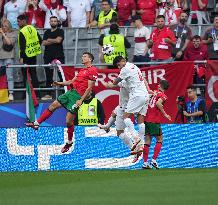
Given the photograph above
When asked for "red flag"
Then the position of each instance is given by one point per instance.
(212, 83)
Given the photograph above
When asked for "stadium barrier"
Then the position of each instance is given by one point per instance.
(184, 146)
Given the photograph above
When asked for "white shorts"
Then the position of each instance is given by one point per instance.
(137, 105)
(119, 123)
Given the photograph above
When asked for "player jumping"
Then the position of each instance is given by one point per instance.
(81, 85)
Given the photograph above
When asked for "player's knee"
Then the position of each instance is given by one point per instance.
(54, 106)
(159, 139)
(119, 132)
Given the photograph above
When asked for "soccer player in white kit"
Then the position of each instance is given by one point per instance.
(138, 98)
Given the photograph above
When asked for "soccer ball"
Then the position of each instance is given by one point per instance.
(107, 49)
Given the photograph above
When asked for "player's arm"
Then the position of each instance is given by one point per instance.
(117, 80)
(91, 84)
(64, 83)
(159, 105)
(148, 88)
(109, 85)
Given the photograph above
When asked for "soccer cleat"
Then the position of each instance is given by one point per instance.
(34, 125)
(104, 127)
(146, 166)
(136, 157)
(154, 164)
(66, 147)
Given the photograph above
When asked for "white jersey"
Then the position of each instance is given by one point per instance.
(134, 80)
(124, 94)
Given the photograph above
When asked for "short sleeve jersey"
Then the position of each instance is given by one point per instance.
(82, 78)
(154, 114)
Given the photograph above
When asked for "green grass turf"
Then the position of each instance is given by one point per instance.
(149, 187)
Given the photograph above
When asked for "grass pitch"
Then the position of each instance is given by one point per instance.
(111, 187)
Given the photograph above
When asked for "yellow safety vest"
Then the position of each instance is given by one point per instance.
(87, 113)
(102, 19)
(117, 41)
(32, 41)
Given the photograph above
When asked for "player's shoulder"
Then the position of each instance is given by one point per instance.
(161, 95)
(93, 69)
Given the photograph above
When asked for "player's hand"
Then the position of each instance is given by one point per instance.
(105, 84)
(186, 114)
(168, 117)
(79, 103)
(55, 83)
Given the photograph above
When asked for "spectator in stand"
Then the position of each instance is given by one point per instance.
(148, 11)
(198, 9)
(141, 36)
(2, 3)
(78, 13)
(103, 20)
(195, 107)
(125, 9)
(7, 52)
(96, 9)
(161, 41)
(197, 51)
(117, 40)
(211, 39)
(12, 10)
(162, 4)
(36, 16)
(183, 35)
(53, 8)
(29, 42)
(170, 14)
(53, 41)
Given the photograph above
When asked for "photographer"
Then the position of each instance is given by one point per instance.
(195, 107)
(36, 17)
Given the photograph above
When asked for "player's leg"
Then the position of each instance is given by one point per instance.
(157, 150)
(146, 152)
(109, 123)
(126, 139)
(45, 115)
(70, 131)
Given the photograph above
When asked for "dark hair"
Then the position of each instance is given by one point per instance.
(136, 17)
(196, 37)
(164, 84)
(108, 1)
(117, 59)
(160, 16)
(90, 55)
(191, 87)
(114, 29)
(53, 17)
(22, 17)
(183, 12)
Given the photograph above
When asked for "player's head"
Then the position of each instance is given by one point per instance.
(164, 85)
(87, 58)
(160, 21)
(53, 22)
(191, 91)
(119, 62)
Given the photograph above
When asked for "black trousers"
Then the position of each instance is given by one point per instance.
(32, 72)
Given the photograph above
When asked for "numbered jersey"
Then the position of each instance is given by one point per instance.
(154, 114)
(134, 79)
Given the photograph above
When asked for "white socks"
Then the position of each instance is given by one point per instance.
(142, 132)
(110, 122)
(126, 139)
(130, 126)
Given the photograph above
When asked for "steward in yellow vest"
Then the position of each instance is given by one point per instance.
(105, 17)
(91, 112)
(29, 42)
(117, 40)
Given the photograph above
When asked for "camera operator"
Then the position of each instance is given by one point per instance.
(195, 108)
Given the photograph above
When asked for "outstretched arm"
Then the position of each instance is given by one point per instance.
(159, 105)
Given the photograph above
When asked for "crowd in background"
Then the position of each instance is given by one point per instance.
(171, 38)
